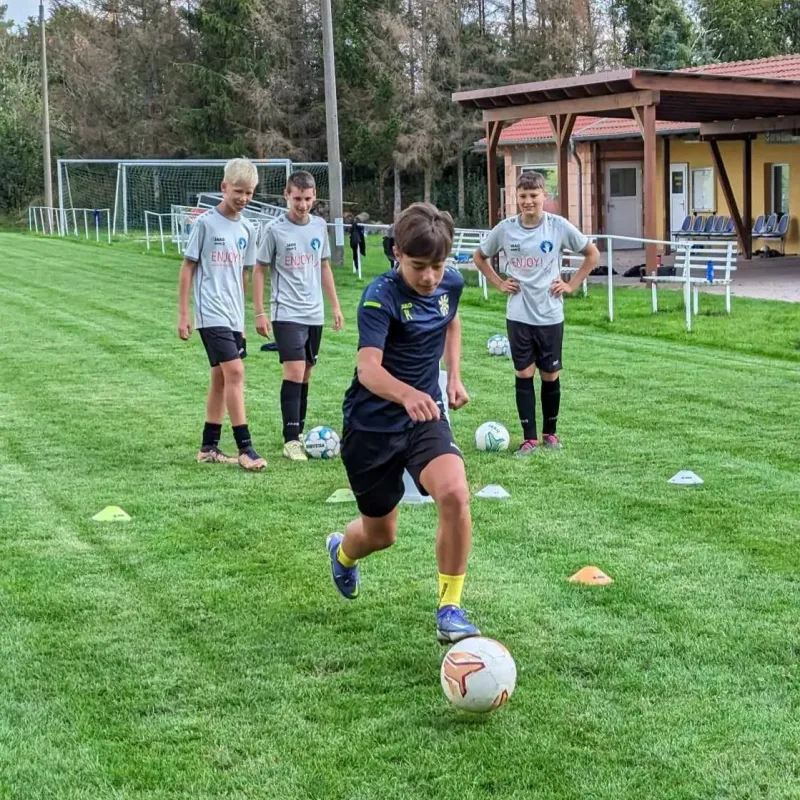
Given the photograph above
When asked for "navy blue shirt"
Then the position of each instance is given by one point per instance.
(411, 329)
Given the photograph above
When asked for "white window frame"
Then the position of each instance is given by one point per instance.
(711, 205)
(772, 209)
(539, 168)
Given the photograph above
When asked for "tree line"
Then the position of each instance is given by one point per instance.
(218, 78)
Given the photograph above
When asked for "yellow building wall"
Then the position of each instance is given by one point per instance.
(698, 155)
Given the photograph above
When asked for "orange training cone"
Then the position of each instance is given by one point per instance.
(591, 576)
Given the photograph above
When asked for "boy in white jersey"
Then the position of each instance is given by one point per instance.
(296, 251)
(533, 242)
(221, 245)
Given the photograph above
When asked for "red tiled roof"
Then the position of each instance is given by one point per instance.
(780, 67)
(532, 131)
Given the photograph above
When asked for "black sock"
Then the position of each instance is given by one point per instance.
(211, 435)
(291, 394)
(526, 407)
(303, 406)
(551, 401)
(242, 435)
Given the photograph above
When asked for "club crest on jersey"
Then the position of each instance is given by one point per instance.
(444, 305)
(242, 243)
(315, 244)
(406, 308)
(546, 246)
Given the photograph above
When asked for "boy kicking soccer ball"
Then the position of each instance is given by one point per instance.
(296, 251)
(394, 417)
(222, 243)
(533, 242)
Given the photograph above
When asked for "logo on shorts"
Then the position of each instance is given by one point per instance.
(242, 243)
(406, 308)
(546, 246)
(444, 305)
(315, 244)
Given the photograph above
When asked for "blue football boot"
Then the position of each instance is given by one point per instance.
(345, 579)
(452, 625)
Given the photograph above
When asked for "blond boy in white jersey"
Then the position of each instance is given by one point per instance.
(221, 245)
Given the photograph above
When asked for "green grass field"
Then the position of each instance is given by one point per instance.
(200, 652)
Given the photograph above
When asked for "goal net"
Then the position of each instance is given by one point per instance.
(133, 187)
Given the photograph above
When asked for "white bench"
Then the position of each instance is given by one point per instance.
(691, 263)
(465, 242)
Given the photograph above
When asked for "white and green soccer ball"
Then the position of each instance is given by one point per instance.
(478, 675)
(492, 437)
(322, 442)
(497, 345)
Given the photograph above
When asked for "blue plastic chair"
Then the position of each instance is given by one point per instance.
(699, 223)
(758, 225)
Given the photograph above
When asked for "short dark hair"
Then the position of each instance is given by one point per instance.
(300, 180)
(422, 231)
(531, 181)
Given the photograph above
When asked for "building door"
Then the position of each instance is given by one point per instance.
(624, 203)
(679, 194)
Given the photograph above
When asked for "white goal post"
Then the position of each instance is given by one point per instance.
(132, 187)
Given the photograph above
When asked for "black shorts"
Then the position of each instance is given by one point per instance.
(536, 344)
(223, 344)
(297, 342)
(375, 462)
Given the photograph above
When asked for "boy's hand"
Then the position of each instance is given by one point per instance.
(263, 328)
(184, 327)
(559, 288)
(338, 319)
(457, 396)
(421, 407)
(509, 286)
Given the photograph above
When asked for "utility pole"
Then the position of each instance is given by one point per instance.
(48, 178)
(332, 126)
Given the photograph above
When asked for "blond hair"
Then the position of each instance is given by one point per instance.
(241, 172)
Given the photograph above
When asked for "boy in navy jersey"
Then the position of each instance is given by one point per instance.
(533, 242)
(394, 416)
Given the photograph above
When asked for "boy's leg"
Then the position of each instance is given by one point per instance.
(291, 339)
(550, 338)
(233, 372)
(442, 475)
(212, 430)
(522, 353)
(312, 351)
(374, 463)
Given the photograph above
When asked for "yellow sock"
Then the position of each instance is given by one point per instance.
(450, 588)
(344, 560)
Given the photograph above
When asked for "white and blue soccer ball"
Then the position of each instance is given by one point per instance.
(322, 442)
(497, 345)
(492, 437)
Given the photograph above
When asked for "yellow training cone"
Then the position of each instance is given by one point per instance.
(111, 514)
(591, 576)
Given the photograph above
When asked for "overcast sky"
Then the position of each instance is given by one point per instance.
(20, 10)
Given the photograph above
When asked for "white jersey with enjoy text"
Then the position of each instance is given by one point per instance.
(221, 248)
(294, 253)
(533, 257)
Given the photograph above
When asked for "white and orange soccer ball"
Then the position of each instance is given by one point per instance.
(478, 675)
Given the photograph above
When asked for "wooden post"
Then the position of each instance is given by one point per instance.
(667, 194)
(747, 200)
(645, 116)
(493, 130)
(562, 126)
(744, 235)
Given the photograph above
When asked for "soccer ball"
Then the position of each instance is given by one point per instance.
(497, 345)
(478, 675)
(492, 437)
(322, 442)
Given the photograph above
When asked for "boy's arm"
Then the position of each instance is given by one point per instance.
(591, 258)
(456, 393)
(372, 376)
(329, 287)
(184, 288)
(509, 286)
(263, 327)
